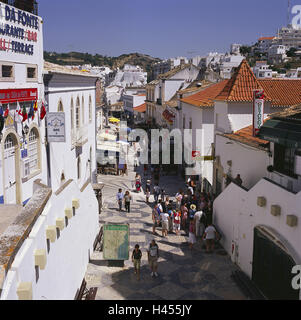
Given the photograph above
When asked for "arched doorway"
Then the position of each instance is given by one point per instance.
(272, 266)
(11, 170)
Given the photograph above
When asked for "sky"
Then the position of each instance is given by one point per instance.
(160, 28)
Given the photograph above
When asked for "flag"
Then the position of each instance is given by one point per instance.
(6, 113)
(31, 112)
(43, 111)
(35, 106)
(18, 113)
(1, 118)
(24, 114)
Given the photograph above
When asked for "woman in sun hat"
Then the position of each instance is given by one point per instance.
(192, 211)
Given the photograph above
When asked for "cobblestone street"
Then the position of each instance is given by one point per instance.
(183, 274)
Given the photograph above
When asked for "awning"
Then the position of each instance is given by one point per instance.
(168, 116)
(281, 131)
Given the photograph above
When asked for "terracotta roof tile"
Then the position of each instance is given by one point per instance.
(283, 92)
(141, 108)
(240, 87)
(266, 38)
(245, 136)
(207, 96)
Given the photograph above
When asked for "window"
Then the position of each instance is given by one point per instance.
(60, 107)
(77, 113)
(284, 160)
(32, 72)
(78, 168)
(72, 114)
(83, 110)
(90, 109)
(7, 71)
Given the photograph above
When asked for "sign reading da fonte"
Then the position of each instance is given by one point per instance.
(18, 30)
(56, 127)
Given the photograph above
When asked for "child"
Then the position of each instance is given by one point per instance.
(136, 258)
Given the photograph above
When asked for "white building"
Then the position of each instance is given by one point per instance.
(197, 113)
(294, 73)
(167, 65)
(262, 70)
(261, 229)
(290, 37)
(264, 43)
(235, 48)
(277, 54)
(132, 101)
(21, 67)
(161, 94)
(130, 76)
(228, 63)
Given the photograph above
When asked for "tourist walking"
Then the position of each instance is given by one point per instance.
(120, 197)
(177, 221)
(155, 217)
(156, 192)
(147, 190)
(127, 201)
(210, 235)
(192, 238)
(153, 256)
(197, 222)
(136, 259)
(165, 221)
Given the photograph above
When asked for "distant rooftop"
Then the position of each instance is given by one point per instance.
(55, 68)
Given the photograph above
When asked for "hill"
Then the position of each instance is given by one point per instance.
(78, 58)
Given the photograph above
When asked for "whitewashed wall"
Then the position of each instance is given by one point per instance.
(63, 155)
(236, 214)
(68, 257)
(240, 154)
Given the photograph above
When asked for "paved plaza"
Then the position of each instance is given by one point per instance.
(183, 274)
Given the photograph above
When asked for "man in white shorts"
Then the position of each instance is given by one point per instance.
(210, 235)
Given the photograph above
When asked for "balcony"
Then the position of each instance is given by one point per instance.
(79, 136)
(30, 6)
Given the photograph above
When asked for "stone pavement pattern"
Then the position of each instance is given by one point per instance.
(183, 274)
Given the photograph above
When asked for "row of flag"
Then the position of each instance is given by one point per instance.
(21, 115)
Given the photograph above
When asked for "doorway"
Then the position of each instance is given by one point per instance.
(10, 170)
(272, 267)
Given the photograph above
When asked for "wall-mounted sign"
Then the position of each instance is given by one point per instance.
(56, 127)
(18, 30)
(258, 111)
(21, 95)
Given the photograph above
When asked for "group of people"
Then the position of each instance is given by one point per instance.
(191, 211)
(125, 198)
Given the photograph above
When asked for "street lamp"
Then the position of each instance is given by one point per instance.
(26, 129)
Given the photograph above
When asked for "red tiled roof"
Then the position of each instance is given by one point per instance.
(266, 38)
(141, 108)
(205, 98)
(284, 92)
(241, 86)
(245, 136)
